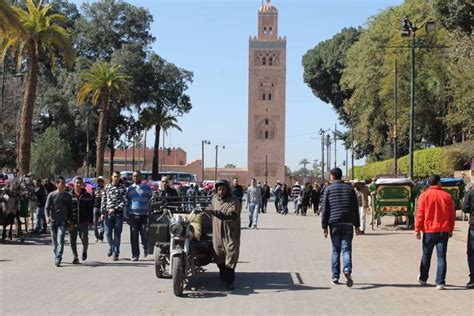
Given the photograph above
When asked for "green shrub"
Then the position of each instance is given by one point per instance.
(438, 160)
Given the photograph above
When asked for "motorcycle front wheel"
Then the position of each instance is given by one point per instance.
(177, 272)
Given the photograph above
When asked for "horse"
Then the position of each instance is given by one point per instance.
(13, 193)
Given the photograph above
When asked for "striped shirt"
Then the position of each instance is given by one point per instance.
(138, 196)
(296, 191)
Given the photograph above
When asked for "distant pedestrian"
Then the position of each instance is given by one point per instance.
(82, 216)
(114, 200)
(277, 191)
(295, 194)
(435, 216)
(285, 196)
(340, 214)
(97, 194)
(138, 196)
(58, 211)
(468, 207)
(254, 200)
(305, 198)
(315, 198)
(237, 190)
(41, 196)
(265, 196)
(362, 192)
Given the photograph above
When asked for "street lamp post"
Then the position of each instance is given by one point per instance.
(215, 168)
(395, 114)
(409, 28)
(322, 133)
(203, 142)
(328, 151)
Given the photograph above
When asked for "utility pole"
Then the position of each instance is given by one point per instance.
(322, 133)
(215, 168)
(203, 142)
(412, 105)
(328, 152)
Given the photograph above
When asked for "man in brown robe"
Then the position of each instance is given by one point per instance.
(226, 231)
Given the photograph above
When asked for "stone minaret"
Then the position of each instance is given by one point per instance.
(267, 84)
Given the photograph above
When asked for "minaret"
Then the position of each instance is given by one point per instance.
(267, 85)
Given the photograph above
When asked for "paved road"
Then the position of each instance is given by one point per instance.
(284, 269)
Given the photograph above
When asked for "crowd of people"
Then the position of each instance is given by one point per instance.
(343, 208)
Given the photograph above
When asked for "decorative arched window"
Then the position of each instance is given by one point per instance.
(266, 134)
(263, 97)
(264, 61)
(266, 121)
(269, 96)
(265, 30)
(270, 61)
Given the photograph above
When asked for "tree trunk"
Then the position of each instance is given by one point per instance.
(156, 149)
(133, 154)
(101, 137)
(144, 150)
(26, 118)
(112, 155)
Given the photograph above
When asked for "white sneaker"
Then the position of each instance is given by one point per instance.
(422, 282)
(440, 287)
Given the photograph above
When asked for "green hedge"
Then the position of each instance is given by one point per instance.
(438, 160)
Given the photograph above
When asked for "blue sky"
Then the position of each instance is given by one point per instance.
(210, 38)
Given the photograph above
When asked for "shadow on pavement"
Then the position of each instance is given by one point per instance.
(120, 263)
(371, 286)
(29, 240)
(246, 283)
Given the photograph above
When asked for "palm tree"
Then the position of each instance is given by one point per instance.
(41, 32)
(304, 162)
(9, 20)
(103, 81)
(162, 120)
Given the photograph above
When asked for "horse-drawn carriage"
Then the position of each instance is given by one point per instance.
(455, 187)
(393, 196)
(180, 236)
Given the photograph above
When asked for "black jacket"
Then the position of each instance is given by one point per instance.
(41, 195)
(238, 192)
(98, 196)
(468, 207)
(315, 197)
(340, 205)
(305, 196)
(82, 207)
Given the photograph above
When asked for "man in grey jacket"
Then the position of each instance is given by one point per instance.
(58, 212)
(254, 202)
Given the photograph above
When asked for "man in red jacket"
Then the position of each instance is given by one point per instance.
(435, 218)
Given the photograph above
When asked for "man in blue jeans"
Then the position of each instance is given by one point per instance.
(114, 200)
(435, 217)
(138, 195)
(468, 207)
(340, 213)
(58, 212)
(254, 202)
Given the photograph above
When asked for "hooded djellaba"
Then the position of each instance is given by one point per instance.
(226, 231)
